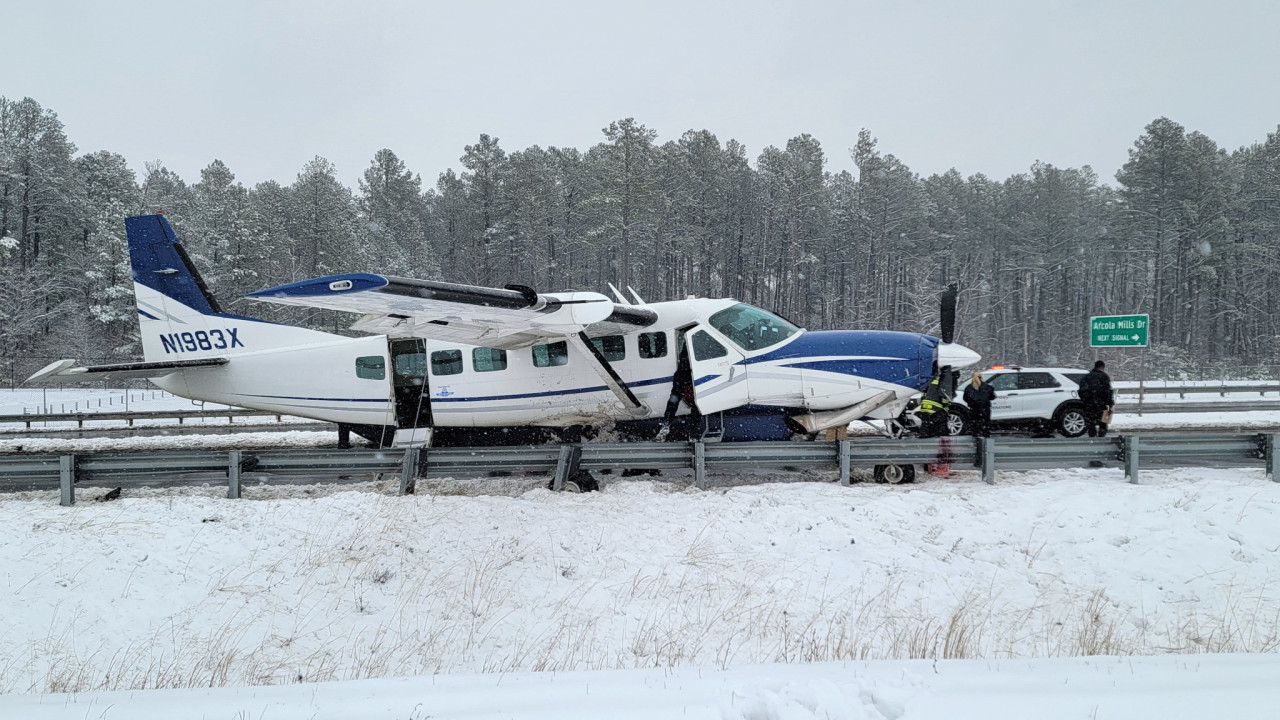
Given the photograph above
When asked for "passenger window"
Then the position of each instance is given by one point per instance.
(1005, 381)
(372, 367)
(613, 347)
(446, 362)
(705, 347)
(653, 345)
(1036, 381)
(551, 355)
(488, 359)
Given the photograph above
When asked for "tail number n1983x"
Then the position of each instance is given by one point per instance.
(200, 340)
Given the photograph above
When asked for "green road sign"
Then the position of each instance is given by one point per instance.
(1119, 330)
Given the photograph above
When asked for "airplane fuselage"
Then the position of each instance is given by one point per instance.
(381, 381)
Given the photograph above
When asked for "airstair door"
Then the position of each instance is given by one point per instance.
(409, 382)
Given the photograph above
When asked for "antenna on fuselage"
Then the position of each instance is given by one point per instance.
(636, 295)
(618, 293)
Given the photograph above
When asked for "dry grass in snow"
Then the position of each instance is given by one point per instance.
(182, 588)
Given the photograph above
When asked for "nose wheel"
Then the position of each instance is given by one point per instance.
(579, 482)
(894, 474)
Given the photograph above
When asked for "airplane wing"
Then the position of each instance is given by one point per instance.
(67, 369)
(507, 318)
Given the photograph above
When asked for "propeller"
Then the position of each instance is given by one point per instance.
(949, 313)
(949, 353)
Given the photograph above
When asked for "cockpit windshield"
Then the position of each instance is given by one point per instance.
(751, 328)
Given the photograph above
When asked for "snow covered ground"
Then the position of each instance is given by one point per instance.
(560, 602)
(1241, 687)
(242, 439)
(30, 401)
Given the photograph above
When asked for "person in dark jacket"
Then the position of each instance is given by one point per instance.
(978, 397)
(1097, 396)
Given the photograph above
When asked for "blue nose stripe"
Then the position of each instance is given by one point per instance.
(886, 356)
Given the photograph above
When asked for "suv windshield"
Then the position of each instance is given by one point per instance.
(751, 328)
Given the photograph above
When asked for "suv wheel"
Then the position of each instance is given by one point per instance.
(1072, 421)
(957, 421)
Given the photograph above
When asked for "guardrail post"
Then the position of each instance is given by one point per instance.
(1270, 445)
(699, 465)
(67, 479)
(842, 449)
(409, 470)
(233, 475)
(987, 456)
(564, 466)
(1131, 453)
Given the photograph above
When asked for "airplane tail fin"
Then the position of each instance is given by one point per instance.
(178, 317)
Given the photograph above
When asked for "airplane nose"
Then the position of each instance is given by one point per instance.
(956, 355)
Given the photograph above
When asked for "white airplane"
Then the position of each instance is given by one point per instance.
(462, 364)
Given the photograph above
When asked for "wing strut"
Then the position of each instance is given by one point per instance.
(606, 372)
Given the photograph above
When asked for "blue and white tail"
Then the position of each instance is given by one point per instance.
(178, 316)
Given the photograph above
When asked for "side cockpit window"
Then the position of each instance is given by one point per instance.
(705, 347)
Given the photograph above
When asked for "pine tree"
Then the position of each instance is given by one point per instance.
(111, 193)
(393, 207)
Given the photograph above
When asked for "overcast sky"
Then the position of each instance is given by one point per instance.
(980, 86)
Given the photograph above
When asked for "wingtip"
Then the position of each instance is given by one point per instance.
(57, 367)
(322, 286)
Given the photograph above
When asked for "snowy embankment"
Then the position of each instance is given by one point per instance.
(182, 588)
(1241, 687)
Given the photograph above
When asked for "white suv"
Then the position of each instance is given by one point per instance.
(1039, 399)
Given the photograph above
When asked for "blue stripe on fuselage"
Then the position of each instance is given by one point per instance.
(548, 393)
(846, 352)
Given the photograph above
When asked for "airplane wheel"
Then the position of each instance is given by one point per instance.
(894, 474)
(581, 481)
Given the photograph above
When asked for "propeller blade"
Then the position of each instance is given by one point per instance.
(949, 313)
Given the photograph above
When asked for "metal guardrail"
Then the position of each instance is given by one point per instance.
(1159, 387)
(563, 462)
(1125, 402)
(130, 417)
(1129, 406)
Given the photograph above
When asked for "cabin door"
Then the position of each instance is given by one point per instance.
(719, 374)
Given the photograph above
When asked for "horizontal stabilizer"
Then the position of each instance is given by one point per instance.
(68, 370)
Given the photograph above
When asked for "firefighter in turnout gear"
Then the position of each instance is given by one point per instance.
(934, 405)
